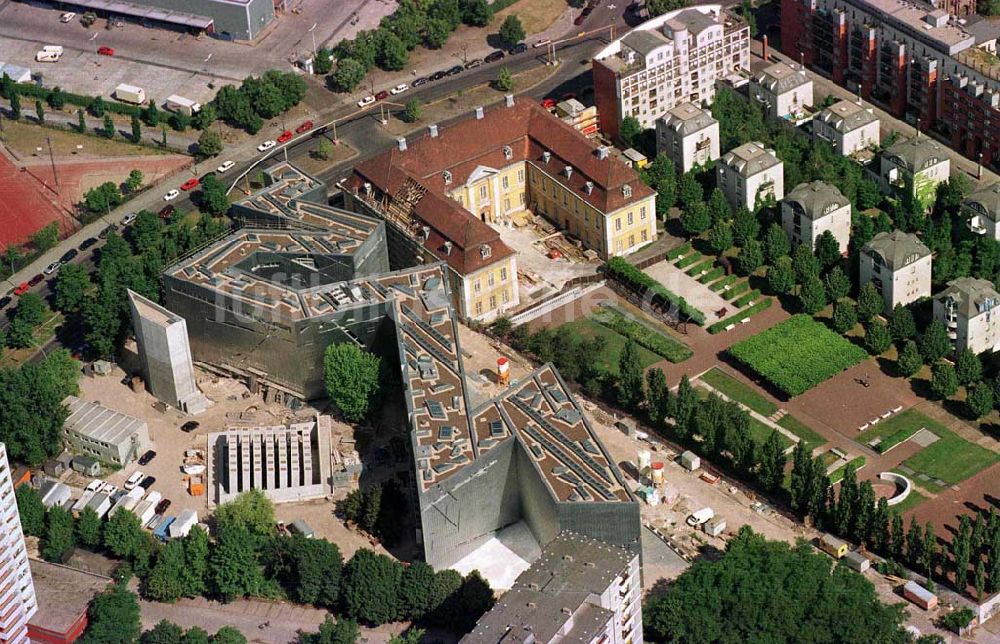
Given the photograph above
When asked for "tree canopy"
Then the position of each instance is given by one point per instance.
(353, 379)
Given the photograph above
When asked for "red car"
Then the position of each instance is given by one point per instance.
(305, 127)
(549, 103)
(167, 212)
(22, 288)
(381, 96)
(106, 51)
(285, 137)
(190, 184)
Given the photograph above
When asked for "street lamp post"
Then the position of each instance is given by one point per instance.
(312, 32)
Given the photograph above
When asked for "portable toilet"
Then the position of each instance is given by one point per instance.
(656, 470)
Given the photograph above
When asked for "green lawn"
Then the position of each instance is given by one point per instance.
(912, 500)
(950, 459)
(738, 391)
(615, 343)
(811, 438)
(761, 432)
(896, 429)
(648, 334)
(838, 473)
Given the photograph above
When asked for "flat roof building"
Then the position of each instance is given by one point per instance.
(899, 265)
(106, 434)
(849, 127)
(64, 594)
(580, 590)
(751, 175)
(689, 136)
(671, 59)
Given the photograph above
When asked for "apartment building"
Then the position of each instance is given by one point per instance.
(899, 265)
(983, 210)
(965, 307)
(813, 208)
(849, 127)
(784, 90)
(920, 62)
(912, 169)
(688, 135)
(447, 194)
(17, 593)
(751, 174)
(580, 590)
(672, 59)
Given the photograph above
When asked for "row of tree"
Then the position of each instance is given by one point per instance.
(248, 558)
(379, 511)
(31, 398)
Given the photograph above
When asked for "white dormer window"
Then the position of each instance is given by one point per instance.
(508, 153)
(447, 178)
(485, 251)
(626, 191)
(568, 171)
(546, 156)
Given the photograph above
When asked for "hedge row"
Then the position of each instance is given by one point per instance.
(740, 288)
(723, 283)
(677, 252)
(28, 90)
(712, 275)
(660, 344)
(700, 266)
(689, 260)
(746, 299)
(745, 313)
(634, 279)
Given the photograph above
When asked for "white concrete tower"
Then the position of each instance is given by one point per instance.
(17, 593)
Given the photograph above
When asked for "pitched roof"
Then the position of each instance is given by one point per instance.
(478, 144)
(971, 296)
(986, 200)
(687, 118)
(846, 116)
(918, 153)
(897, 249)
(750, 159)
(781, 77)
(816, 198)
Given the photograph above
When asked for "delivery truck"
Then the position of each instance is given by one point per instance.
(130, 94)
(181, 105)
(49, 54)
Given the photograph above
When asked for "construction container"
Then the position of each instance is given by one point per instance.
(86, 465)
(833, 546)
(100, 503)
(301, 527)
(160, 532)
(196, 486)
(55, 494)
(656, 470)
(920, 595)
(182, 526)
(145, 511)
(643, 459)
(82, 502)
(626, 426)
(690, 461)
(714, 527)
(637, 160)
(857, 561)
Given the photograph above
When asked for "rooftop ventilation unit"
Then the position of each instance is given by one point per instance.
(546, 156)
(602, 152)
(568, 171)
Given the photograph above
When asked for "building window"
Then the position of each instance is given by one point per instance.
(506, 296)
(631, 241)
(482, 192)
(642, 213)
(479, 308)
(630, 218)
(506, 204)
(618, 223)
(490, 280)
(503, 273)
(520, 175)
(505, 182)
(476, 287)
(645, 235)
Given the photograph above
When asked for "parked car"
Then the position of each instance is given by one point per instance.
(106, 51)
(475, 62)
(107, 231)
(225, 167)
(167, 212)
(285, 136)
(69, 255)
(399, 89)
(146, 458)
(366, 101)
(548, 103)
(133, 481)
(494, 57)
(52, 268)
(417, 82)
(703, 515)
(36, 280)
(94, 485)
(266, 145)
(519, 48)
(190, 426)
(190, 184)
(454, 71)
(22, 288)
(128, 219)
(4, 301)
(438, 75)
(87, 243)
(67, 17)
(162, 506)
(147, 482)
(381, 96)
(170, 196)
(109, 488)
(305, 126)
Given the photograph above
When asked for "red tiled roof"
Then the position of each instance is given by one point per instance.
(529, 130)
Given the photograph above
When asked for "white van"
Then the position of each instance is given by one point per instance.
(47, 56)
(700, 517)
(134, 480)
(55, 49)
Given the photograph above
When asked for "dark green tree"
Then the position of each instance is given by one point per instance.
(40, 111)
(214, 200)
(370, 588)
(909, 361)
(845, 316)
(718, 207)
(944, 382)
(629, 131)
(15, 104)
(979, 400)
(812, 297)
(720, 237)
(476, 13)
(505, 80)
(315, 568)
(136, 129)
(750, 258)
(772, 462)
(88, 529)
(58, 539)
(81, 121)
(414, 110)
(109, 126)
(343, 631)
(250, 510)
(195, 635)
(805, 264)
(347, 76)
(658, 400)
(151, 115)
(837, 284)
(511, 31)
(352, 379)
(415, 590)
(165, 582)
(134, 181)
(630, 377)
(968, 367)
(233, 567)
(781, 276)
(228, 635)
(690, 190)
(746, 226)
(901, 323)
(163, 633)
(209, 145)
(695, 219)
(323, 61)
(475, 598)
(113, 617)
(776, 244)
(827, 249)
(870, 302)
(935, 343)
(31, 510)
(877, 337)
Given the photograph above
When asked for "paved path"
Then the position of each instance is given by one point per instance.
(697, 294)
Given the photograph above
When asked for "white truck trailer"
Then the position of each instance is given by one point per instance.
(181, 105)
(130, 94)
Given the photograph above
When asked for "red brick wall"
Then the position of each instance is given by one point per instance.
(606, 99)
(46, 636)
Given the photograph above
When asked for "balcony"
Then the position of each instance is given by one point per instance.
(976, 225)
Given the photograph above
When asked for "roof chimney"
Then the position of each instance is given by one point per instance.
(479, 113)
(602, 152)
(509, 100)
(569, 171)
(433, 130)
(401, 142)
